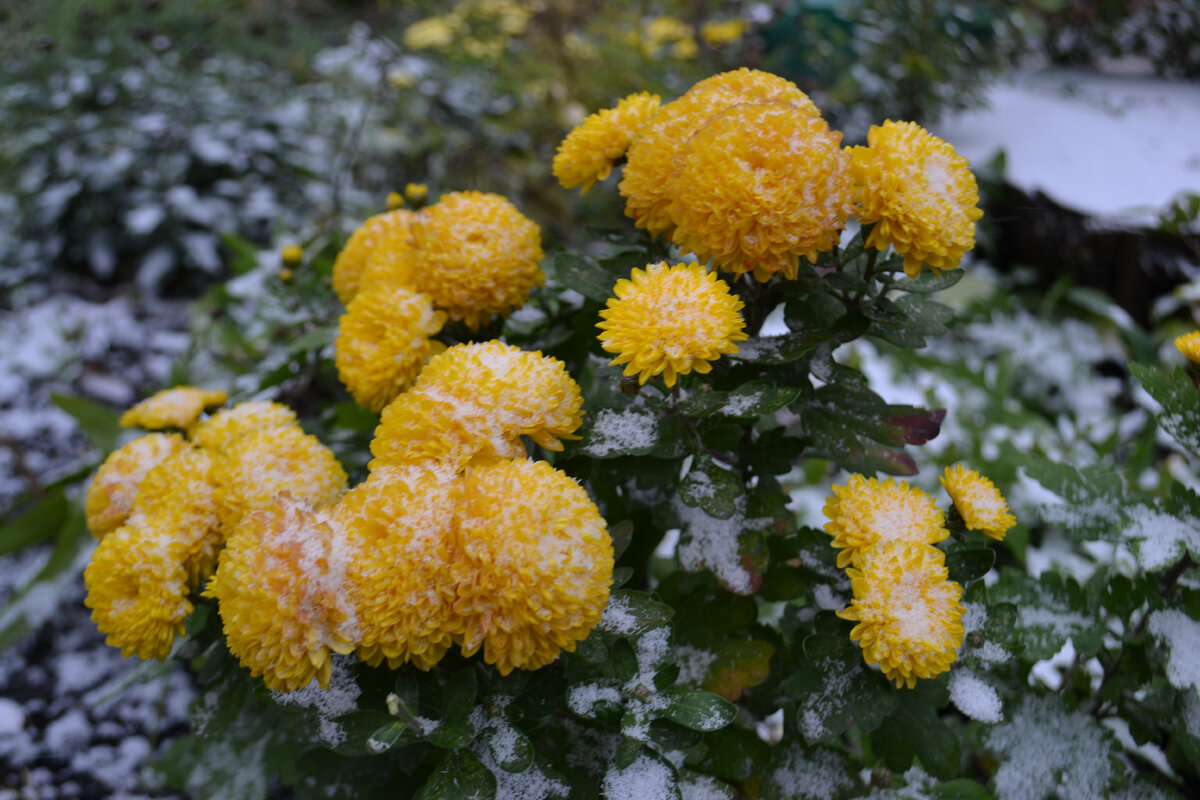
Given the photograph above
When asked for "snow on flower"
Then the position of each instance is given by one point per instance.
(372, 234)
(979, 502)
(172, 408)
(919, 195)
(671, 320)
(1189, 345)
(111, 493)
(865, 512)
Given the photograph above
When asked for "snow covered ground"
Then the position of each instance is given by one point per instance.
(1113, 147)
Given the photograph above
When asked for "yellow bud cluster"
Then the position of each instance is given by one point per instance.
(909, 613)
(404, 274)
(744, 172)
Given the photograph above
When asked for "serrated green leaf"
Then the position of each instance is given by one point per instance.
(713, 489)
(1180, 399)
(735, 754)
(700, 711)
(97, 422)
(460, 776)
(627, 750)
(774, 350)
(918, 317)
(914, 730)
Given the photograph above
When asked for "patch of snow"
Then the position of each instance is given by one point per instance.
(339, 699)
(646, 778)
(814, 775)
(973, 697)
(1181, 634)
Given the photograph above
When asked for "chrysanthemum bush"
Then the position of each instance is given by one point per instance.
(469, 520)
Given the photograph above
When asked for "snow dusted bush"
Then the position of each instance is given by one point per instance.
(890, 642)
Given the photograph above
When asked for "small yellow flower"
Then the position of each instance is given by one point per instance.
(137, 589)
(398, 530)
(394, 201)
(261, 465)
(172, 408)
(671, 320)
(286, 276)
(423, 428)
(726, 31)
(655, 156)
(475, 255)
(292, 255)
(909, 615)
(520, 393)
(111, 494)
(918, 193)
(176, 499)
(349, 264)
(533, 564)
(760, 187)
(476, 401)
(685, 49)
(383, 341)
(1189, 345)
(865, 512)
(280, 590)
(222, 429)
(434, 33)
(588, 153)
(978, 501)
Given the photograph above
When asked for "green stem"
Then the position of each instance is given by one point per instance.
(868, 274)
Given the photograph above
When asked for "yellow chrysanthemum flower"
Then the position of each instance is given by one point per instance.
(430, 33)
(111, 494)
(909, 615)
(137, 589)
(280, 590)
(761, 186)
(918, 193)
(671, 320)
(865, 512)
(588, 153)
(172, 408)
(656, 154)
(417, 428)
(383, 341)
(978, 501)
(177, 498)
(726, 31)
(398, 529)
(1189, 345)
(348, 266)
(533, 564)
(475, 255)
(228, 425)
(520, 393)
(259, 466)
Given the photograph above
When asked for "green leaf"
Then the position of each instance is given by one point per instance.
(914, 730)
(358, 729)
(243, 253)
(388, 737)
(317, 339)
(961, 789)
(98, 423)
(629, 432)
(752, 400)
(700, 711)
(458, 696)
(1180, 399)
(631, 613)
(735, 754)
(584, 275)
(36, 525)
(969, 565)
(910, 319)
(450, 735)
(928, 281)
(354, 417)
(773, 350)
(738, 666)
(713, 489)
(460, 776)
(510, 748)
